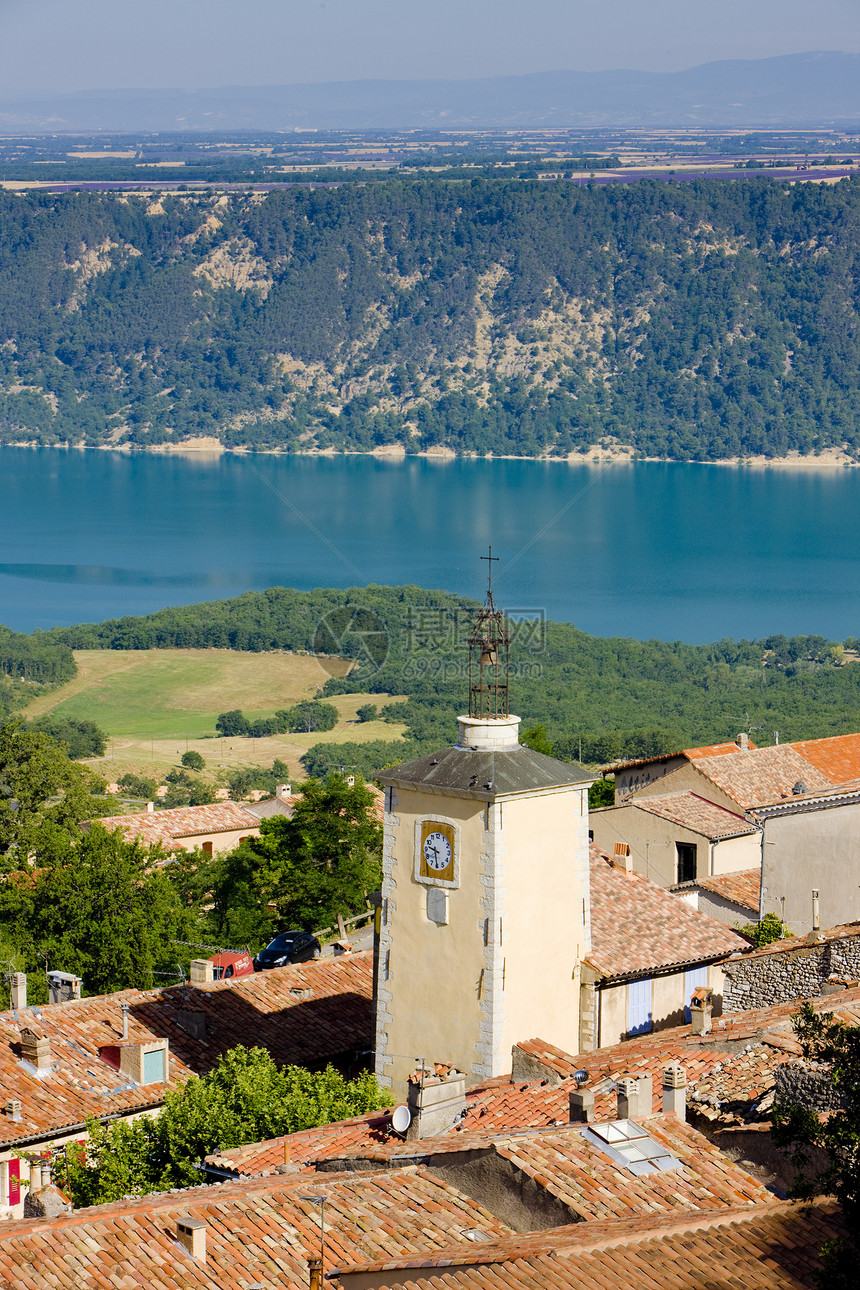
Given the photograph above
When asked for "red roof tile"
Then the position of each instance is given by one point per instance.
(272, 1009)
(773, 1246)
(692, 811)
(637, 926)
(837, 757)
(756, 777)
(169, 827)
(741, 888)
(260, 1232)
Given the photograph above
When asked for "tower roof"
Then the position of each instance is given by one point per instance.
(486, 774)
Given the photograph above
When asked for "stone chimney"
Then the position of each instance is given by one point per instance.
(191, 1235)
(36, 1049)
(284, 790)
(622, 858)
(675, 1090)
(743, 741)
(13, 1109)
(436, 1098)
(150, 808)
(63, 986)
(202, 972)
(701, 1009)
(19, 990)
(635, 1097)
(581, 1102)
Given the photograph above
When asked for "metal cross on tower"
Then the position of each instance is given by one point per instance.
(489, 648)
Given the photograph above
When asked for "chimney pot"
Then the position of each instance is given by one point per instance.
(701, 1010)
(19, 990)
(635, 1097)
(315, 1276)
(13, 1110)
(150, 807)
(36, 1049)
(202, 971)
(743, 741)
(581, 1104)
(622, 858)
(284, 790)
(675, 1090)
(191, 1235)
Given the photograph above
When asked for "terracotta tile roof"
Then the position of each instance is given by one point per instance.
(307, 1013)
(328, 1142)
(262, 1232)
(637, 926)
(707, 750)
(741, 888)
(692, 811)
(758, 776)
(773, 1246)
(168, 827)
(837, 757)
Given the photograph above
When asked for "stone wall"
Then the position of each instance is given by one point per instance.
(780, 976)
(809, 1084)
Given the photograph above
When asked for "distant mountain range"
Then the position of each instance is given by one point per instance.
(797, 90)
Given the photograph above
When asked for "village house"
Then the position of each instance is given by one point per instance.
(215, 829)
(117, 1055)
(649, 952)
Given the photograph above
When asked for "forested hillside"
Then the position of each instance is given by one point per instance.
(606, 697)
(708, 319)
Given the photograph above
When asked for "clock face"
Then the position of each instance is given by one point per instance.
(437, 851)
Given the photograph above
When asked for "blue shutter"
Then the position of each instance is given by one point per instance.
(153, 1066)
(639, 1007)
(693, 978)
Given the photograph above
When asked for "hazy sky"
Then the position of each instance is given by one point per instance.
(60, 45)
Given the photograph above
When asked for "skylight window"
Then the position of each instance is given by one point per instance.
(628, 1144)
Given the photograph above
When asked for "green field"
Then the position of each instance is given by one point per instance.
(156, 704)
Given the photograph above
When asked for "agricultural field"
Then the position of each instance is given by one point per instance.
(157, 704)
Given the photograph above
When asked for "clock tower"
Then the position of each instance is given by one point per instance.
(485, 915)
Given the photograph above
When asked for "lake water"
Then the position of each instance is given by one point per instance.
(674, 551)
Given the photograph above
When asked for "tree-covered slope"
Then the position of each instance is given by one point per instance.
(609, 697)
(707, 319)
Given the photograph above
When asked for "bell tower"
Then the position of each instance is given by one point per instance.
(485, 915)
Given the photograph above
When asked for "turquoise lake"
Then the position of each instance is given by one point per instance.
(675, 551)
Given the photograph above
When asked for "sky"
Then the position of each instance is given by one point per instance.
(57, 46)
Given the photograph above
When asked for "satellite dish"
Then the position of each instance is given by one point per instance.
(401, 1118)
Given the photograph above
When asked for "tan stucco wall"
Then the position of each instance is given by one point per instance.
(668, 1003)
(652, 844)
(687, 777)
(817, 849)
(635, 778)
(504, 967)
(221, 842)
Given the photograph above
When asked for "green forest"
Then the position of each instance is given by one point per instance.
(598, 698)
(704, 320)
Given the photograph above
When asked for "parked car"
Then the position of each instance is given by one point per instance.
(288, 947)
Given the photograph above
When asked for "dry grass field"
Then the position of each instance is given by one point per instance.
(157, 704)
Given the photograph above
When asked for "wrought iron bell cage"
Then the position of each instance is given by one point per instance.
(489, 658)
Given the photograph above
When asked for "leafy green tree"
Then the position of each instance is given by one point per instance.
(82, 738)
(367, 712)
(245, 1098)
(43, 795)
(537, 739)
(310, 868)
(101, 910)
(312, 715)
(770, 929)
(137, 785)
(230, 724)
(601, 793)
(825, 1149)
(193, 760)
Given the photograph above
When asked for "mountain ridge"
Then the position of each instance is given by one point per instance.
(811, 89)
